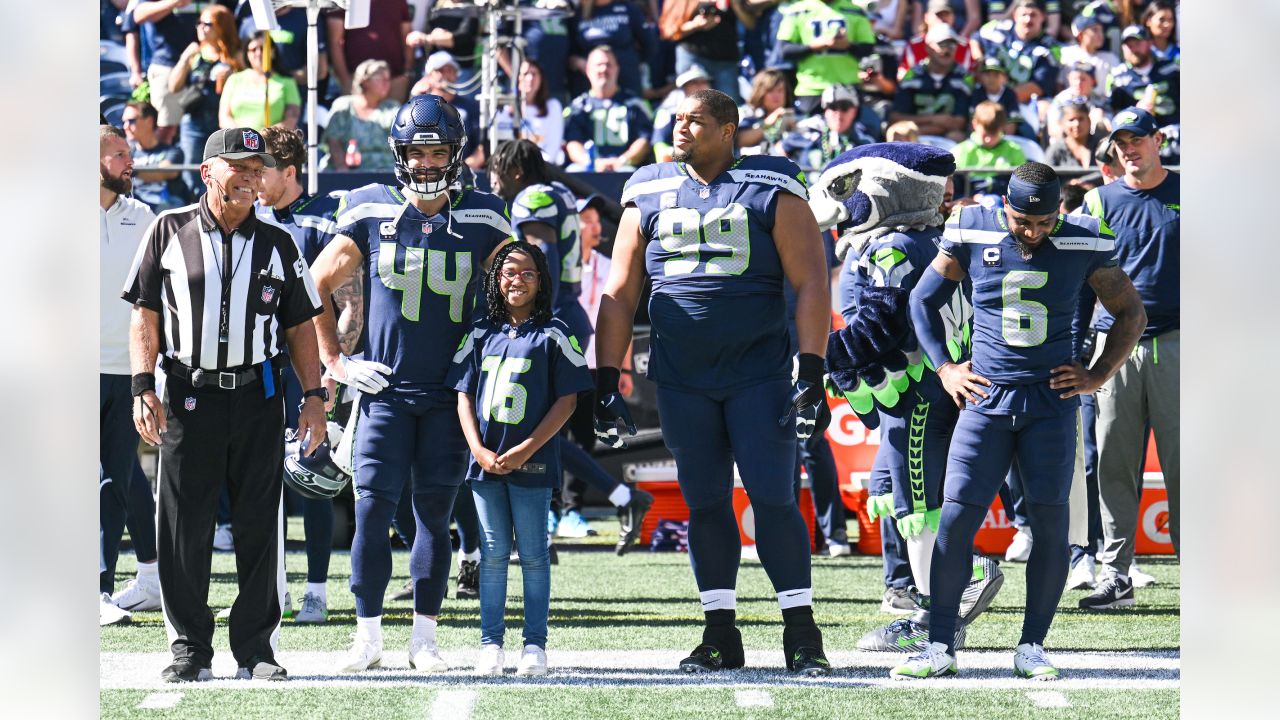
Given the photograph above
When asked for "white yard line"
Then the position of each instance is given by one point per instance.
(160, 701)
(452, 705)
(753, 698)
(1049, 699)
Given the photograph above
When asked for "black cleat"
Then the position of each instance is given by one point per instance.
(808, 661)
(406, 592)
(186, 670)
(630, 518)
(468, 580)
(262, 670)
(721, 649)
(802, 646)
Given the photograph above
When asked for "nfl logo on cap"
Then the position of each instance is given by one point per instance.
(251, 140)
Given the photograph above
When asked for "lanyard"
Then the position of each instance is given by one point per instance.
(224, 309)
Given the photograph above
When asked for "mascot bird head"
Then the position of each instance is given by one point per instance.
(875, 189)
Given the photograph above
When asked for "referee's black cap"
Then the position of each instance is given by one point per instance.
(237, 144)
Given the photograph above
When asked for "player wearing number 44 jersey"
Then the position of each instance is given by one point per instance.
(1019, 393)
(423, 251)
(719, 238)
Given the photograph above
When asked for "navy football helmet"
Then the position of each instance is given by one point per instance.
(427, 120)
(315, 477)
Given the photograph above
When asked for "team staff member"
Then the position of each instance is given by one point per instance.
(217, 294)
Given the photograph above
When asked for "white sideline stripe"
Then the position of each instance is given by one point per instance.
(160, 701)
(452, 705)
(753, 698)
(1049, 699)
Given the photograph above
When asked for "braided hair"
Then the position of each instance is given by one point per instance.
(497, 310)
(520, 155)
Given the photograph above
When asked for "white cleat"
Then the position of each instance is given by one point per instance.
(1032, 662)
(314, 609)
(110, 614)
(425, 657)
(141, 594)
(836, 549)
(1140, 579)
(364, 654)
(491, 660)
(533, 661)
(1020, 549)
(935, 661)
(1083, 575)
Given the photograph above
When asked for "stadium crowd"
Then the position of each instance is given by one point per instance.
(997, 83)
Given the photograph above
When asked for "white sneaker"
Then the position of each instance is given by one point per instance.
(935, 661)
(142, 593)
(425, 656)
(1020, 549)
(1139, 578)
(222, 539)
(1031, 661)
(491, 661)
(835, 549)
(363, 655)
(110, 614)
(533, 661)
(1083, 575)
(314, 609)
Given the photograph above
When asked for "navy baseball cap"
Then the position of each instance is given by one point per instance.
(1084, 22)
(1134, 32)
(1134, 120)
(237, 144)
(584, 203)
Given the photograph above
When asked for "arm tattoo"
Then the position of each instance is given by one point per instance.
(1109, 283)
(350, 301)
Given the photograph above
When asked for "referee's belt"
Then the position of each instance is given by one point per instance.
(224, 379)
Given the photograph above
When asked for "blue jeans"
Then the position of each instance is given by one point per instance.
(502, 506)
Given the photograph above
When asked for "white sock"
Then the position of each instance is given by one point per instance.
(148, 570)
(621, 495)
(920, 554)
(719, 599)
(424, 629)
(317, 589)
(795, 598)
(370, 628)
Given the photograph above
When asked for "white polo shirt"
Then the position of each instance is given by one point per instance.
(122, 227)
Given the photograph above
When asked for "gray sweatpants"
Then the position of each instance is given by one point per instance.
(1145, 389)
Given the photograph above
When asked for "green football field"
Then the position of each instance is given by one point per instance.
(618, 628)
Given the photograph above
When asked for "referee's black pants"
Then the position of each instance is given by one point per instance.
(214, 437)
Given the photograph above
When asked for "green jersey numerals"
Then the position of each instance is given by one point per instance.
(694, 236)
(503, 399)
(409, 281)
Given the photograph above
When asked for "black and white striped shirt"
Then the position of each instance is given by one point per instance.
(184, 266)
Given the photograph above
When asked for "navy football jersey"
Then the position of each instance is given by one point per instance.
(1035, 60)
(1126, 86)
(1023, 308)
(920, 93)
(612, 124)
(422, 276)
(621, 26)
(717, 310)
(311, 220)
(554, 205)
(515, 377)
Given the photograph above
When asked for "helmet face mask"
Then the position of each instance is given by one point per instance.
(427, 120)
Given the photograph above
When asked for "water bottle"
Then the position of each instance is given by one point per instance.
(353, 154)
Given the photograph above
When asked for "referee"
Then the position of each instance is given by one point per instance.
(217, 294)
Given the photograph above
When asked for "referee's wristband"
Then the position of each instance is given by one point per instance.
(143, 382)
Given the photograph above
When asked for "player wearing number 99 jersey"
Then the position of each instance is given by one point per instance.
(1019, 392)
(423, 250)
(719, 238)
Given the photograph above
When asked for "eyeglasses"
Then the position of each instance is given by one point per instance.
(524, 275)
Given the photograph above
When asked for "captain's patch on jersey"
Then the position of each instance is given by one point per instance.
(991, 257)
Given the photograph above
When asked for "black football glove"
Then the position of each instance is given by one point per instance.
(807, 397)
(611, 409)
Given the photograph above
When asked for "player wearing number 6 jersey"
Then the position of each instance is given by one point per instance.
(423, 250)
(1019, 393)
(719, 238)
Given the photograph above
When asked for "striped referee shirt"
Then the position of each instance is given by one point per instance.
(224, 302)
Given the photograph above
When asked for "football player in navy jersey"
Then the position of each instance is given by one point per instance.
(1018, 393)
(719, 237)
(423, 251)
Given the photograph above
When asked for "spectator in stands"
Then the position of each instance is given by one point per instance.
(902, 131)
(766, 115)
(891, 18)
(709, 38)
(160, 189)
(607, 129)
(363, 118)
(818, 140)
(1088, 48)
(1154, 86)
(1028, 53)
(289, 44)
(1079, 140)
(385, 38)
(965, 16)
(824, 38)
(938, 12)
(1160, 20)
(457, 35)
(999, 10)
(541, 115)
(242, 94)
(1081, 89)
(1113, 14)
(171, 27)
(620, 25)
(993, 85)
(439, 76)
(664, 118)
(204, 68)
(547, 43)
(1072, 196)
(935, 94)
(988, 148)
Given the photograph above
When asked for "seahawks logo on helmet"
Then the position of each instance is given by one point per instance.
(317, 476)
(427, 120)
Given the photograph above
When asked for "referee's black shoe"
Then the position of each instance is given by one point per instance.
(186, 670)
(721, 649)
(262, 670)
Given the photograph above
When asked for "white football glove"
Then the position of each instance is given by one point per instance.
(365, 375)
